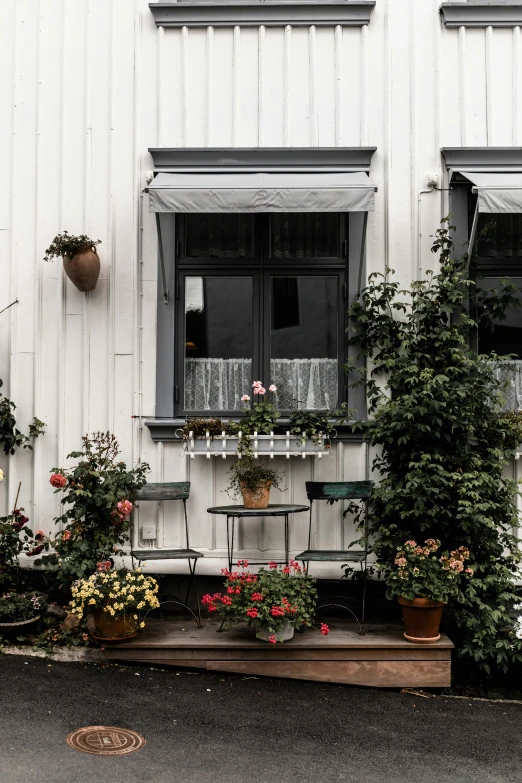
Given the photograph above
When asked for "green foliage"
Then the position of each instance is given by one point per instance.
(442, 443)
(11, 437)
(268, 598)
(98, 495)
(419, 573)
(200, 427)
(68, 245)
(17, 607)
(315, 424)
(253, 475)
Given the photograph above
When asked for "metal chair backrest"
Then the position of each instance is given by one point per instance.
(339, 490)
(177, 490)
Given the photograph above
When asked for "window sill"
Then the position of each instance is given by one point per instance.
(253, 14)
(164, 431)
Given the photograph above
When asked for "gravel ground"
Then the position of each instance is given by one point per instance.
(211, 728)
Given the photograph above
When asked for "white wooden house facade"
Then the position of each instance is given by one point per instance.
(88, 87)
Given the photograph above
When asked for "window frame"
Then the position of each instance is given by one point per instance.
(260, 268)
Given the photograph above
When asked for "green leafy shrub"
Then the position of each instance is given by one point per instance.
(10, 437)
(17, 607)
(315, 424)
(98, 498)
(442, 442)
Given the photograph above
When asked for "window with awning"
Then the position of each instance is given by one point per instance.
(265, 263)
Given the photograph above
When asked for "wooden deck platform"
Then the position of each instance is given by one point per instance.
(381, 658)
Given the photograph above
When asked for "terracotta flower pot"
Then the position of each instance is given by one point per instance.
(260, 498)
(284, 634)
(83, 269)
(114, 628)
(422, 618)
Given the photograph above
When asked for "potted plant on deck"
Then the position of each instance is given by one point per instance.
(252, 481)
(20, 611)
(81, 261)
(113, 600)
(424, 582)
(275, 601)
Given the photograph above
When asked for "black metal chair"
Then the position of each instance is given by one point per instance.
(332, 491)
(179, 490)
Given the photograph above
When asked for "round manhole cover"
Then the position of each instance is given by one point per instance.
(105, 740)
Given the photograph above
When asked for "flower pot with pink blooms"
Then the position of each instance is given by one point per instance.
(97, 495)
(276, 602)
(424, 580)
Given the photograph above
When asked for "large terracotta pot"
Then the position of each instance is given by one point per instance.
(114, 628)
(258, 499)
(83, 269)
(422, 618)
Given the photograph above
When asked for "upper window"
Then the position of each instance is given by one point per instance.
(261, 298)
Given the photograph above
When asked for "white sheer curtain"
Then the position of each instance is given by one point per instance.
(510, 372)
(219, 384)
(305, 383)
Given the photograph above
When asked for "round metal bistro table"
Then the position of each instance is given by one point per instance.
(239, 512)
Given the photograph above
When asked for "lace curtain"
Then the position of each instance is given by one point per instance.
(219, 384)
(510, 372)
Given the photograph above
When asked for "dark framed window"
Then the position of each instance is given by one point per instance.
(260, 297)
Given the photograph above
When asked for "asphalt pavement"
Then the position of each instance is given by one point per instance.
(212, 728)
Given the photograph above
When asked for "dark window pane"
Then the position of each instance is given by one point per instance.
(506, 336)
(304, 235)
(499, 236)
(219, 236)
(304, 352)
(218, 342)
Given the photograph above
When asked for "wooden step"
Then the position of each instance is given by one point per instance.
(381, 657)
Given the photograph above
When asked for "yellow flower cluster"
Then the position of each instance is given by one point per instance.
(117, 592)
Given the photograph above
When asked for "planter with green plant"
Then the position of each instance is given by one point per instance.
(276, 601)
(20, 611)
(424, 582)
(252, 480)
(81, 261)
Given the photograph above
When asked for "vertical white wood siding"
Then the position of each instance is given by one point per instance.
(86, 86)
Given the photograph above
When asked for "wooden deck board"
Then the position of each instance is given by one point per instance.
(380, 658)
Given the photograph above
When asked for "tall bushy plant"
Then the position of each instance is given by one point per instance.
(442, 441)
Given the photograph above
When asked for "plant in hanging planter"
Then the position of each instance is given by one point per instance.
(114, 600)
(252, 480)
(276, 601)
(98, 497)
(199, 428)
(80, 258)
(312, 424)
(424, 582)
(20, 611)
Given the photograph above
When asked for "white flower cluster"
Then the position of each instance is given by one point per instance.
(518, 625)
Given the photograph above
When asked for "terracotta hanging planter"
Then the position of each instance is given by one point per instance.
(422, 617)
(83, 269)
(258, 498)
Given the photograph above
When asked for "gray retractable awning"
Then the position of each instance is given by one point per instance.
(262, 192)
(497, 191)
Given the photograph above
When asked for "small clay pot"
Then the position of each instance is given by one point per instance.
(260, 498)
(83, 269)
(422, 618)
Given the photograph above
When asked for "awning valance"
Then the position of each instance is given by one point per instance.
(497, 191)
(261, 192)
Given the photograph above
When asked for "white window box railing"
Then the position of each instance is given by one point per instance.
(260, 446)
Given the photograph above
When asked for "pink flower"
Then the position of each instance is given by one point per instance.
(104, 565)
(259, 390)
(66, 535)
(272, 639)
(256, 384)
(324, 629)
(245, 398)
(242, 563)
(469, 571)
(57, 480)
(39, 534)
(253, 612)
(257, 596)
(124, 507)
(272, 388)
(272, 564)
